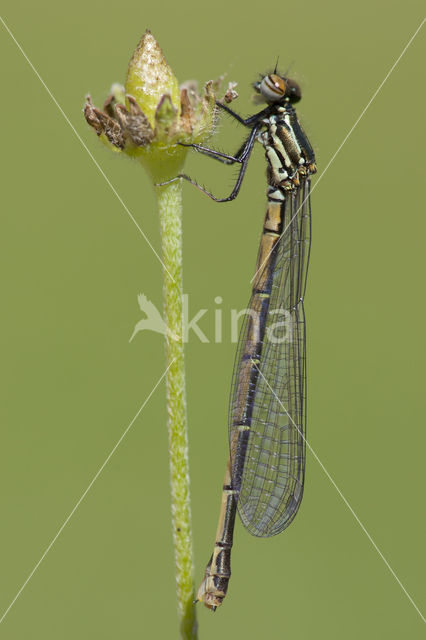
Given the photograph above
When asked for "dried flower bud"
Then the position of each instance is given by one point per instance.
(150, 115)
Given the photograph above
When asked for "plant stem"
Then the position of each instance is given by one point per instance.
(169, 200)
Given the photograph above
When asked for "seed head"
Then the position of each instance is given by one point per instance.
(151, 114)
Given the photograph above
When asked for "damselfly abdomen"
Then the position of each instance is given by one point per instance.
(266, 467)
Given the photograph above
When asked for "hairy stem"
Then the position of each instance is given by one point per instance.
(169, 200)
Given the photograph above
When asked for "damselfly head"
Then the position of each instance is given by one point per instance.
(274, 88)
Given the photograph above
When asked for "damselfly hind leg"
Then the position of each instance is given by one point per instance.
(244, 151)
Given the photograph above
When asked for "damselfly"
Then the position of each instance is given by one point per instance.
(266, 466)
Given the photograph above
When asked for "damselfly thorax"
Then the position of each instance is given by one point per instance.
(289, 155)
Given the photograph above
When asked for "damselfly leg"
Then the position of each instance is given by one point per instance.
(242, 157)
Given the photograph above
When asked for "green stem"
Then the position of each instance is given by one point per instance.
(169, 200)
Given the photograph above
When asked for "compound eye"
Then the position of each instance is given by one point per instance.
(272, 88)
(293, 91)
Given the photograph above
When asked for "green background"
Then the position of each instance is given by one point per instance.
(72, 264)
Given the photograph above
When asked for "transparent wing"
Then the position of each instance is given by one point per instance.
(270, 477)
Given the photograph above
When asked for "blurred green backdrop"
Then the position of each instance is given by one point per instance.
(72, 264)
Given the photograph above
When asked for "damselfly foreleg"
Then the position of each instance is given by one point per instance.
(248, 122)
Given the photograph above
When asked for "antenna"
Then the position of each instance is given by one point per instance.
(276, 64)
